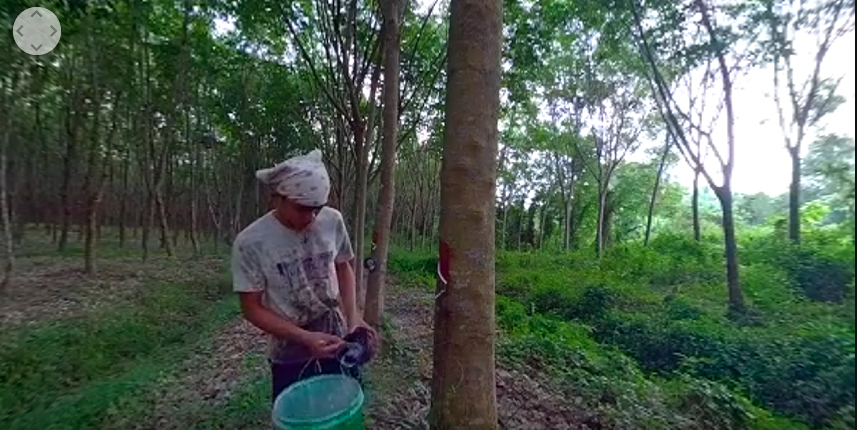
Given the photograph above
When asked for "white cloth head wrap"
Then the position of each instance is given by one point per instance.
(303, 179)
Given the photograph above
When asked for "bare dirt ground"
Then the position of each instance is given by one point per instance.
(45, 288)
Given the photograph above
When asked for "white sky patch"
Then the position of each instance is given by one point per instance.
(223, 26)
(761, 161)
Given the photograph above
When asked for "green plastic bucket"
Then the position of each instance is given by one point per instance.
(324, 402)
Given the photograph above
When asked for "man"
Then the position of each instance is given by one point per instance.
(292, 269)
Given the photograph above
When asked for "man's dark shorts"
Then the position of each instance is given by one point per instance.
(283, 375)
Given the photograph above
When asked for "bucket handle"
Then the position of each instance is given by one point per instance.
(318, 368)
(308, 363)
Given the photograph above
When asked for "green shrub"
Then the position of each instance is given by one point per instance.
(808, 374)
(612, 386)
(679, 308)
(820, 276)
(821, 267)
(670, 260)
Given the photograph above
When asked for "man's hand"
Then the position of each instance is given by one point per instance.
(322, 345)
(374, 339)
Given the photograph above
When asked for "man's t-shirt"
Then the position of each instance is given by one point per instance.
(296, 272)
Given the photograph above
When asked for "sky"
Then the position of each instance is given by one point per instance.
(761, 161)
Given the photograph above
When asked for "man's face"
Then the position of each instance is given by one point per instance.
(299, 216)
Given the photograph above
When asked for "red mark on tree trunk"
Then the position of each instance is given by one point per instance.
(443, 262)
(374, 237)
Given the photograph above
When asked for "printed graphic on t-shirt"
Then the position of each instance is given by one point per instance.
(309, 280)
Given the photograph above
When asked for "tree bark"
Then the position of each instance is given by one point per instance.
(463, 389)
(736, 296)
(724, 193)
(361, 191)
(8, 254)
(8, 249)
(607, 237)
(802, 103)
(794, 195)
(387, 194)
(69, 160)
(694, 207)
(126, 165)
(655, 190)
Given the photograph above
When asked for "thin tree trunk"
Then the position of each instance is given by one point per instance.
(148, 174)
(88, 225)
(694, 207)
(599, 226)
(504, 235)
(607, 238)
(94, 204)
(655, 190)
(794, 195)
(362, 190)
(542, 214)
(194, 191)
(68, 162)
(8, 257)
(724, 193)
(126, 165)
(387, 194)
(736, 296)
(412, 225)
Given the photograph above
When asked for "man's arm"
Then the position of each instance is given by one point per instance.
(348, 293)
(260, 316)
(345, 275)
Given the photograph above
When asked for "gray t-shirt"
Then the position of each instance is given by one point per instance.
(296, 272)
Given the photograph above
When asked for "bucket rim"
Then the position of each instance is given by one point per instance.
(355, 404)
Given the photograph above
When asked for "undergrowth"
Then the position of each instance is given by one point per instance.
(644, 337)
(92, 371)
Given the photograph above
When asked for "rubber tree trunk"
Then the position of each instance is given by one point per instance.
(463, 390)
(8, 254)
(655, 190)
(736, 296)
(69, 160)
(599, 226)
(362, 191)
(387, 194)
(794, 196)
(694, 207)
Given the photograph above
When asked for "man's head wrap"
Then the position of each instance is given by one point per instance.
(303, 179)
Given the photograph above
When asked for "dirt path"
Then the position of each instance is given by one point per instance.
(399, 394)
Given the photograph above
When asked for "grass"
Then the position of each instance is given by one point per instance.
(249, 407)
(79, 372)
(102, 368)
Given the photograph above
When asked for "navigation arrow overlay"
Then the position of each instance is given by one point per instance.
(19, 31)
(35, 13)
(55, 31)
(36, 47)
